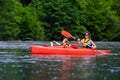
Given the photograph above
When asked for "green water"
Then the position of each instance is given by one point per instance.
(16, 63)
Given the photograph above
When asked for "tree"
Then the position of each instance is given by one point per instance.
(9, 29)
(44, 19)
(116, 7)
(98, 18)
(30, 27)
(19, 22)
(57, 15)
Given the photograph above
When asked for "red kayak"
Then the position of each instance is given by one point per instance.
(59, 50)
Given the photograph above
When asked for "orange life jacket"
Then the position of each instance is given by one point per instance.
(65, 44)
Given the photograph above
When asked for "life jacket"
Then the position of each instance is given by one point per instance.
(65, 44)
(86, 42)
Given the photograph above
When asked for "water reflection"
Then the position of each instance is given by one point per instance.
(15, 66)
(16, 63)
(108, 68)
(64, 67)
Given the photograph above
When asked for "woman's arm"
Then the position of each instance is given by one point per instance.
(93, 44)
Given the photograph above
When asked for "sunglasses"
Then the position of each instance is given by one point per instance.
(86, 35)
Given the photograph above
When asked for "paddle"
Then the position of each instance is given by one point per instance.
(67, 34)
(57, 42)
(97, 50)
(71, 45)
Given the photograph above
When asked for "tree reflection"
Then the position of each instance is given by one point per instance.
(63, 67)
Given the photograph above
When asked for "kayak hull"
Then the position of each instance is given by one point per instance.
(58, 50)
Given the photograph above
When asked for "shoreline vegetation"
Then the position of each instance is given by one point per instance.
(43, 20)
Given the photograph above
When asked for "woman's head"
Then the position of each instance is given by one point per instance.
(87, 35)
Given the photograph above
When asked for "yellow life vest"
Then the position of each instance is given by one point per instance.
(85, 41)
(65, 44)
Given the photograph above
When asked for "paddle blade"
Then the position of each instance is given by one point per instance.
(66, 34)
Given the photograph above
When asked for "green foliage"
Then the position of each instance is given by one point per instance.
(116, 7)
(9, 29)
(57, 15)
(98, 18)
(44, 19)
(30, 27)
(18, 22)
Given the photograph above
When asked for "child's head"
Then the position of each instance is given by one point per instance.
(65, 40)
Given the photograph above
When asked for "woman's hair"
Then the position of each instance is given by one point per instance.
(88, 33)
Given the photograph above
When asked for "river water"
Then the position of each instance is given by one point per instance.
(16, 63)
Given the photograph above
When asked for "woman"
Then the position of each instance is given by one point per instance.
(87, 41)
